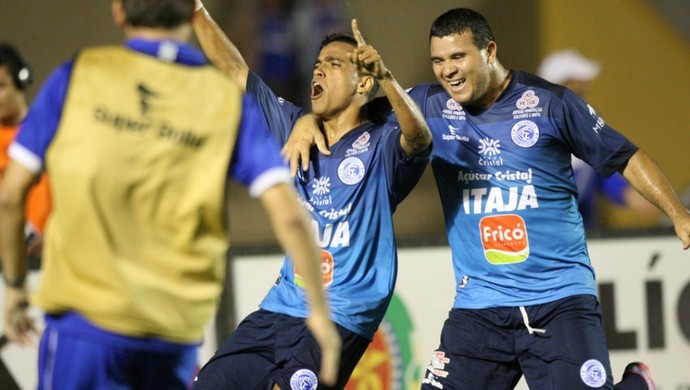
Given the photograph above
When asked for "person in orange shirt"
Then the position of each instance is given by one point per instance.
(15, 78)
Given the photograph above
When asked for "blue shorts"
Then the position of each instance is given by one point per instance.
(269, 348)
(557, 345)
(75, 354)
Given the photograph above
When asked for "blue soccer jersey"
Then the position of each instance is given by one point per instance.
(351, 196)
(506, 185)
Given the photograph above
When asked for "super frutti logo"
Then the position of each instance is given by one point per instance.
(504, 238)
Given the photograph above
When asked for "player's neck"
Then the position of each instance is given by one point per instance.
(180, 34)
(500, 80)
(339, 125)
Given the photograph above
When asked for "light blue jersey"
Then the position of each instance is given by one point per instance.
(506, 185)
(351, 196)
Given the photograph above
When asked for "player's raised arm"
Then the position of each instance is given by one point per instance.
(218, 47)
(416, 135)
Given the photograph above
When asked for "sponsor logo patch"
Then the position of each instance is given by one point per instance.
(504, 238)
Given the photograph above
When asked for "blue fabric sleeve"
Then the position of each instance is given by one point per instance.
(41, 123)
(256, 150)
(279, 114)
(403, 172)
(591, 139)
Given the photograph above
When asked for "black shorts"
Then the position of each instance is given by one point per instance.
(269, 348)
(557, 345)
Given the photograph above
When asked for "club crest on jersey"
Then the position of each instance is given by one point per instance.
(303, 380)
(525, 134)
(361, 145)
(593, 373)
(351, 171)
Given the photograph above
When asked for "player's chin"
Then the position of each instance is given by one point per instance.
(317, 108)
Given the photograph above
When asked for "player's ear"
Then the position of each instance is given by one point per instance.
(119, 14)
(491, 51)
(365, 84)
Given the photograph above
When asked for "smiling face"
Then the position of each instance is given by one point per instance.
(463, 69)
(335, 80)
(12, 101)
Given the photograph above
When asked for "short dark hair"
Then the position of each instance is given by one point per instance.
(22, 76)
(158, 13)
(462, 20)
(349, 39)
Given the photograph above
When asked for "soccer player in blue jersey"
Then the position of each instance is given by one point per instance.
(526, 299)
(135, 247)
(351, 195)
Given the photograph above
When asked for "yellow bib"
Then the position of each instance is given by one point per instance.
(138, 168)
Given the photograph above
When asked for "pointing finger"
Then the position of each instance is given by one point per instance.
(358, 35)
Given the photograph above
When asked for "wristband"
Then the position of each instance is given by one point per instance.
(14, 283)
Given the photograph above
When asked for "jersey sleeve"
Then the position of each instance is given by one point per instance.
(403, 171)
(278, 113)
(591, 139)
(256, 161)
(39, 127)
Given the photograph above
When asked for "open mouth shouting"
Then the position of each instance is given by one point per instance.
(316, 90)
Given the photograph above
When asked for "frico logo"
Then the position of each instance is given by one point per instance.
(504, 238)
(304, 380)
(593, 373)
(326, 270)
(361, 145)
(525, 133)
(351, 171)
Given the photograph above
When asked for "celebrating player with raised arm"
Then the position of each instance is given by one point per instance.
(351, 196)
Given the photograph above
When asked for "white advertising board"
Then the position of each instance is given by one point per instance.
(644, 285)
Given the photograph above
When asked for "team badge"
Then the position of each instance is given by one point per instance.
(525, 134)
(304, 379)
(351, 170)
(593, 373)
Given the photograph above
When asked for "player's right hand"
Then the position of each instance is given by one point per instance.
(19, 327)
